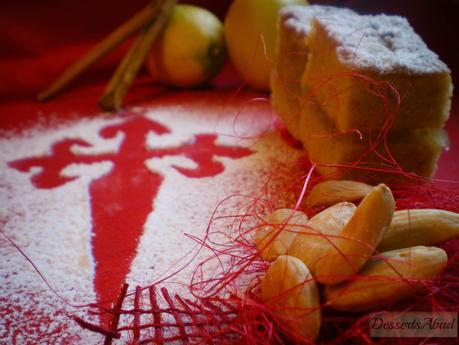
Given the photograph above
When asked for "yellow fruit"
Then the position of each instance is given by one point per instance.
(190, 50)
(246, 23)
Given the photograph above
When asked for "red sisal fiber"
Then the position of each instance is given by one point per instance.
(226, 307)
(223, 304)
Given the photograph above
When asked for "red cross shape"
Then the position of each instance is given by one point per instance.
(122, 199)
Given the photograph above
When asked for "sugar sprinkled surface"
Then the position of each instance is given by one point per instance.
(298, 19)
(53, 226)
(381, 43)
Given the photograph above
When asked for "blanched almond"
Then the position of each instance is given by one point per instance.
(423, 227)
(275, 236)
(334, 191)
(357, 242)
(388, 278)
(290, 292)
(314, 240)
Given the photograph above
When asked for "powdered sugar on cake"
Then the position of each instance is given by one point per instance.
(299, 18)
(381, 43)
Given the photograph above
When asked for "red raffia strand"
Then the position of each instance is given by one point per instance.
(95, 328)
(156, 316)
(238, 316)
(251, 322)
(246, 320)
(116, 313)
(136, 330)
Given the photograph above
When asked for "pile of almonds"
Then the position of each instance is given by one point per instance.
(363, 257)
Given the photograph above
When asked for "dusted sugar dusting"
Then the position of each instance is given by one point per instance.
(383, 49)
(381, 43)
(96, 203)
(298, 19)
(371, 98)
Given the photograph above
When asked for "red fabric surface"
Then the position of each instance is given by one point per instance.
(38, 39)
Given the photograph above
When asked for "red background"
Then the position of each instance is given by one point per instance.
(38, 39)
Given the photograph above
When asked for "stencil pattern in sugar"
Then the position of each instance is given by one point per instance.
(115, 232)
(53, 223)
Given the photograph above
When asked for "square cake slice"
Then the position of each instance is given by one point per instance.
(360, 155)
(294, 26)
(357, 61)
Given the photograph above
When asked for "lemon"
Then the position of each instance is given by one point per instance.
(190, 50)
(246, 23)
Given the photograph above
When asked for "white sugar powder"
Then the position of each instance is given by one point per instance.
(53, 226)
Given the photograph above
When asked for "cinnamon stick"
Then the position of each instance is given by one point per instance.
(126, 72)
(134, 24)
(110, 100)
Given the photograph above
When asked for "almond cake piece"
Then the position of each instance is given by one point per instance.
(385, 48)
(354, 69)
(336, 152)
(294, 26)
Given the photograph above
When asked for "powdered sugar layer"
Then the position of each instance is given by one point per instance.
(298, 19)
(381, 43)
(53, 226)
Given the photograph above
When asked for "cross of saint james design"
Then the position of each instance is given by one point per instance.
(116, 225)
